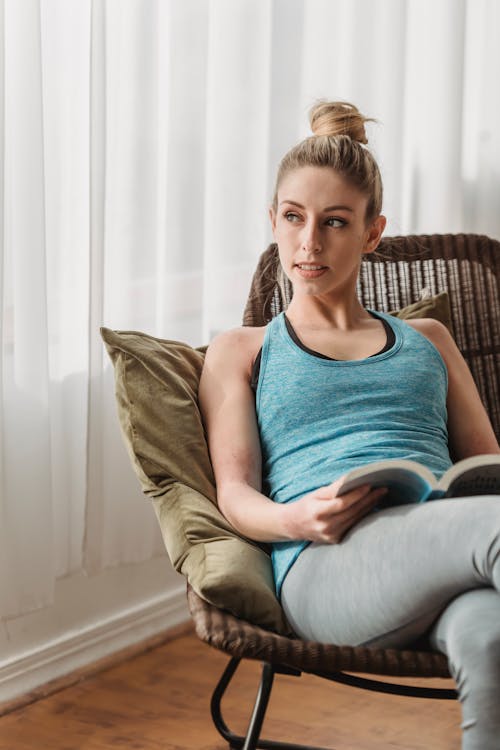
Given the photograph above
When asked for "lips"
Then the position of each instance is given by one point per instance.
(310, 270)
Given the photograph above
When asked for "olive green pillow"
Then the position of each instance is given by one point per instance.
(225, 569)
(156, 384)
(437, 307)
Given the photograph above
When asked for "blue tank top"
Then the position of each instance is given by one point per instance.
(318, 418)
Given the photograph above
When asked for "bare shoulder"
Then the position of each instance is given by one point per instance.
(437, 333)
(444, 342)
(234, 350)
(227, 404)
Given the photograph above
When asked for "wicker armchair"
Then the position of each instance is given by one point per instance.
(468, 268)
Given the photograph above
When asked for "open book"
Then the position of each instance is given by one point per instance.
(410, 482)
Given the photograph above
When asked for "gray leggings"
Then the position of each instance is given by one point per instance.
(402, 572)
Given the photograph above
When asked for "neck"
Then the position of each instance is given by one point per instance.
(316, 312)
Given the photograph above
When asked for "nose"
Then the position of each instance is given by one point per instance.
(310, 239)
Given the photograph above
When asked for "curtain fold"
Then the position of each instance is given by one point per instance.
(26, 579)
(481, 119)
(139, 141)
(433, 116)
(236, 153)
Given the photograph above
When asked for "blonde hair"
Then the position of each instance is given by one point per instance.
(339, 142)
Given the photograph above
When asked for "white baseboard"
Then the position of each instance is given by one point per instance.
(26, 671)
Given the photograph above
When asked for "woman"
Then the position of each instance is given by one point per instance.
(338, 386)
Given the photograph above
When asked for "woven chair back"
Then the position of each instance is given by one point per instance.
(403, 270)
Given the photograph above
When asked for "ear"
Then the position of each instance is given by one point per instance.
(374, 234)
(272, 217)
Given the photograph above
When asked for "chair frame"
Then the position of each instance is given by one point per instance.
(252, 738)
(275, 652)
(466, 266)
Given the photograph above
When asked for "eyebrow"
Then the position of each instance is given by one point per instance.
(328, 208)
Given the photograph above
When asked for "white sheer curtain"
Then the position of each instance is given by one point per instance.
(138, 145)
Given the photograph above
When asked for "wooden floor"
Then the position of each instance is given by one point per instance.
(159, 700)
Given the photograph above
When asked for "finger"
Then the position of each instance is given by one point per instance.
(338, 484)
(352, 515)
(372, 496)
(351, 498)
(345, 506)
(366, 504)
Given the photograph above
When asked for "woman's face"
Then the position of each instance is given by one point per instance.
(321, 230)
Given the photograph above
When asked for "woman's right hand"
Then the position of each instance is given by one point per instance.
(323, 516)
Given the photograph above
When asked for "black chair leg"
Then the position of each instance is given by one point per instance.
(235, 741)
(260, 707)
(252, 740)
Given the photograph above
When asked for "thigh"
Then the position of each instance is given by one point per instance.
(394, 572)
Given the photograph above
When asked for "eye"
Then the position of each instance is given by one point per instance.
(291, 216)
(335, 222)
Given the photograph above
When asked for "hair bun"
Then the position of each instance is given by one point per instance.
(338, 118)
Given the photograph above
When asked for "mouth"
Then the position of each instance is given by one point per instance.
(310, 270)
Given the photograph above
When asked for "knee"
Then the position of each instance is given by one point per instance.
(476, 659)
(468, 631)
(471, 634)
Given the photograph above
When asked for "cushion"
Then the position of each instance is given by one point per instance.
(156, 383)
(225, 569)
(437, 307)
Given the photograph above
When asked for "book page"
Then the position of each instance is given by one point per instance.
(472, 476)
(483, 480)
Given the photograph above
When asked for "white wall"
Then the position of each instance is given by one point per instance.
(115, 585)
(91, 617)
(97, 609)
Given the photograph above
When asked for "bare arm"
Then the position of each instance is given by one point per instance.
(469, 428)
(228, 408)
